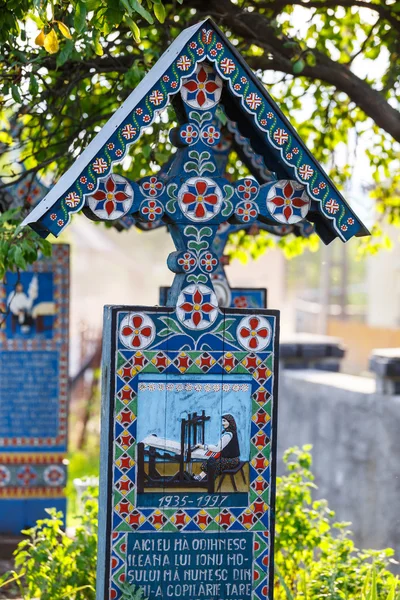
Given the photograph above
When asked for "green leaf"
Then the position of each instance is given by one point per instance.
(164, 332)
(142, 11)
(96, 43)
(80, 16)
(205, 232)
(134, 28)
(171, 324)
(127, 6)
(170, 206)
(228, 189)
(159, 11)
(195, 116)
(64, 53)
(228, 208)
(19, 258)
(208, 166)
(15, 93)
(298, 66)
(33, 84)
(190, 166)
(190, 230)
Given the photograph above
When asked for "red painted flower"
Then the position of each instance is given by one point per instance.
(151, 210)
(246, 211)
(255, 331)
(247, 189)
(210, 135)
(189, 134)
(208, 262)
(187, 261)
(138, 330)
(202, 87)
(200, 198)
(109, 195)
(197, 307)
(240, 302)
(152, 187)
(287, 201)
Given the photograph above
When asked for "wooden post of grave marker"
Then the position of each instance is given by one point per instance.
(167, 532)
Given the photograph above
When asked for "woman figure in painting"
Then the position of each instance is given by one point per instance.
(226, 454)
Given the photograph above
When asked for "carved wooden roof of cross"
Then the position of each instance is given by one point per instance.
(200, 71)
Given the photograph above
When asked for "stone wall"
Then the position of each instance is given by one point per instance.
(355, 435)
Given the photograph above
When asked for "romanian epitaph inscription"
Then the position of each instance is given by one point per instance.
(34, 391)
(188, 566)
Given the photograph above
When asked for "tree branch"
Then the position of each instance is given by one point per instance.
(256, 29)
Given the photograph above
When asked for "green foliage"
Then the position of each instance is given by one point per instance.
(18, 247)
(52, 566)
(315, 558)
(66, 66)
(132, 592)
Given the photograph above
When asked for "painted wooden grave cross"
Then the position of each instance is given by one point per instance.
(190, 389)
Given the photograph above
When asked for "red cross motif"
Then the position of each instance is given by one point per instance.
(135, 519)
(260, 463)
(306, 171)
(180, 519)
(202, 519)
(127, 372)
(261, 396)
(126, 392)
(124, 507)
(253, 100)
(251, 362)
(139, 360)
(160, 361)
(157, 519)
(225, 519)
(206, 362)
(125, 440)
(26, 475)
(260, 440)
(332, 206)
(125, 417)
(228, 66)
(183, 63)
(259, 507)
(99, 165)
(183, 362)
(247, 519)
(280, 136)
(128, 132)
(124, 485)
(262, 373)
(156, 97)
(261, 417)
(125, 462)
(229, 361)
(259, 485)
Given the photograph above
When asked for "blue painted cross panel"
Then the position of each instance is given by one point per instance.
(34, 391)
(188, 452)
(227, 296)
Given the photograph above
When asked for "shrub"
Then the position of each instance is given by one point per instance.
(314, 555)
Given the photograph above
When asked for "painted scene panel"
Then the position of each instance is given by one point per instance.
(188, 454)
